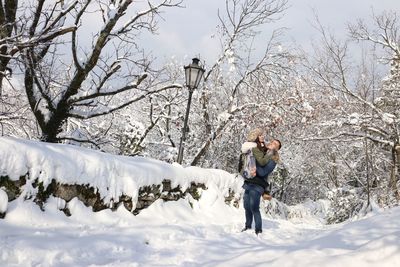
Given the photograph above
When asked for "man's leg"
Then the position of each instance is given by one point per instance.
(254, 197)
(247, 208)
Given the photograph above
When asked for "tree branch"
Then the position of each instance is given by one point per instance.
(110, 110)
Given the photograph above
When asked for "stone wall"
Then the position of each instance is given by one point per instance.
(91, 198)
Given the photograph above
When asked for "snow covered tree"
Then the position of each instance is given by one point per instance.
(18, 32)
(363, 117)
(386, 123)
(234, 82)
(15, 116)
(238, 85)
(150, 128)
(71, 76)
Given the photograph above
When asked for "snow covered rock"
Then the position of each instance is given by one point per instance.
(3, 203)
(102, 180)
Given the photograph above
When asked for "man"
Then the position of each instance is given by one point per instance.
(264, 171)
(266, 156)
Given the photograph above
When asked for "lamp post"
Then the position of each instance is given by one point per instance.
(193, 73)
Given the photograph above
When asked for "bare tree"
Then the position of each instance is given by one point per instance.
(369, 109)
(239, 25)
(388, 103)
(16, 34)
(65, 79)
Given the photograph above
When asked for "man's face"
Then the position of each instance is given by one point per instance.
(273, 145)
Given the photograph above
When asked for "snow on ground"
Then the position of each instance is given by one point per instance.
(175, 234)
(180, 233)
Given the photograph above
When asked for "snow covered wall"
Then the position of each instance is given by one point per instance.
(111, 176)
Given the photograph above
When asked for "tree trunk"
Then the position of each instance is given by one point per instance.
(8, 11)
(394, 174)
(368, 174)
(2, 70)
(397, 149)
(50, 127)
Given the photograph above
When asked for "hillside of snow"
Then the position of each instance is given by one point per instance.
(186, 232)
(176, 234)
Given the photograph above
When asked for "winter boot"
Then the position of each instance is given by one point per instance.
(245, 229)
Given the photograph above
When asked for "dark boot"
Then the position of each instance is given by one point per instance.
(258, 232)
(245, 229)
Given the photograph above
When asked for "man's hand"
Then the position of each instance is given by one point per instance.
(266, 196)
(275, 156)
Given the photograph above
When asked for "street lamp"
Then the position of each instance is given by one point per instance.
(193, 73)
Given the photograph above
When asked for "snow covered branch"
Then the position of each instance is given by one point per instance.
(92, 114)
(337, 137)
(56, 85)
(241, 21)
(387, 36)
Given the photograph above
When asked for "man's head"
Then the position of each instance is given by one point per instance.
(274, 144)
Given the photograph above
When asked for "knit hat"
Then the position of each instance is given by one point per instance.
(254, 134)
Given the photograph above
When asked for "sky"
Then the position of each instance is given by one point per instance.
(190, 31)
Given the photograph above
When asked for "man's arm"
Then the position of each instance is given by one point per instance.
(261, 157)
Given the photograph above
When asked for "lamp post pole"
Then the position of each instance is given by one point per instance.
(185, 130)
(193, 74)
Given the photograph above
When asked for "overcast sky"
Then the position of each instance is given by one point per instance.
(188, 31)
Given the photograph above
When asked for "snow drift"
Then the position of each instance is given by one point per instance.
(112, 176)
(202, 232)
(176, 234)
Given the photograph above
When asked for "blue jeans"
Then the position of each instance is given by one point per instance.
(251, 201)
(264, 171)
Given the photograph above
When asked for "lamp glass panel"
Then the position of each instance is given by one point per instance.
(199, 76)
(187, 75)
(194, 72)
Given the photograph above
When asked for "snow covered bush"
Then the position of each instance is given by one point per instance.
(310, 210)
(276, 209)
(316, 211)
(344, 204)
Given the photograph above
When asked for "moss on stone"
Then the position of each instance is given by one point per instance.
(90, 197)
(12, 188)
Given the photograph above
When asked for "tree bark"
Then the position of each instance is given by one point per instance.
(8, 11)
(394, 174)
(368, 173)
